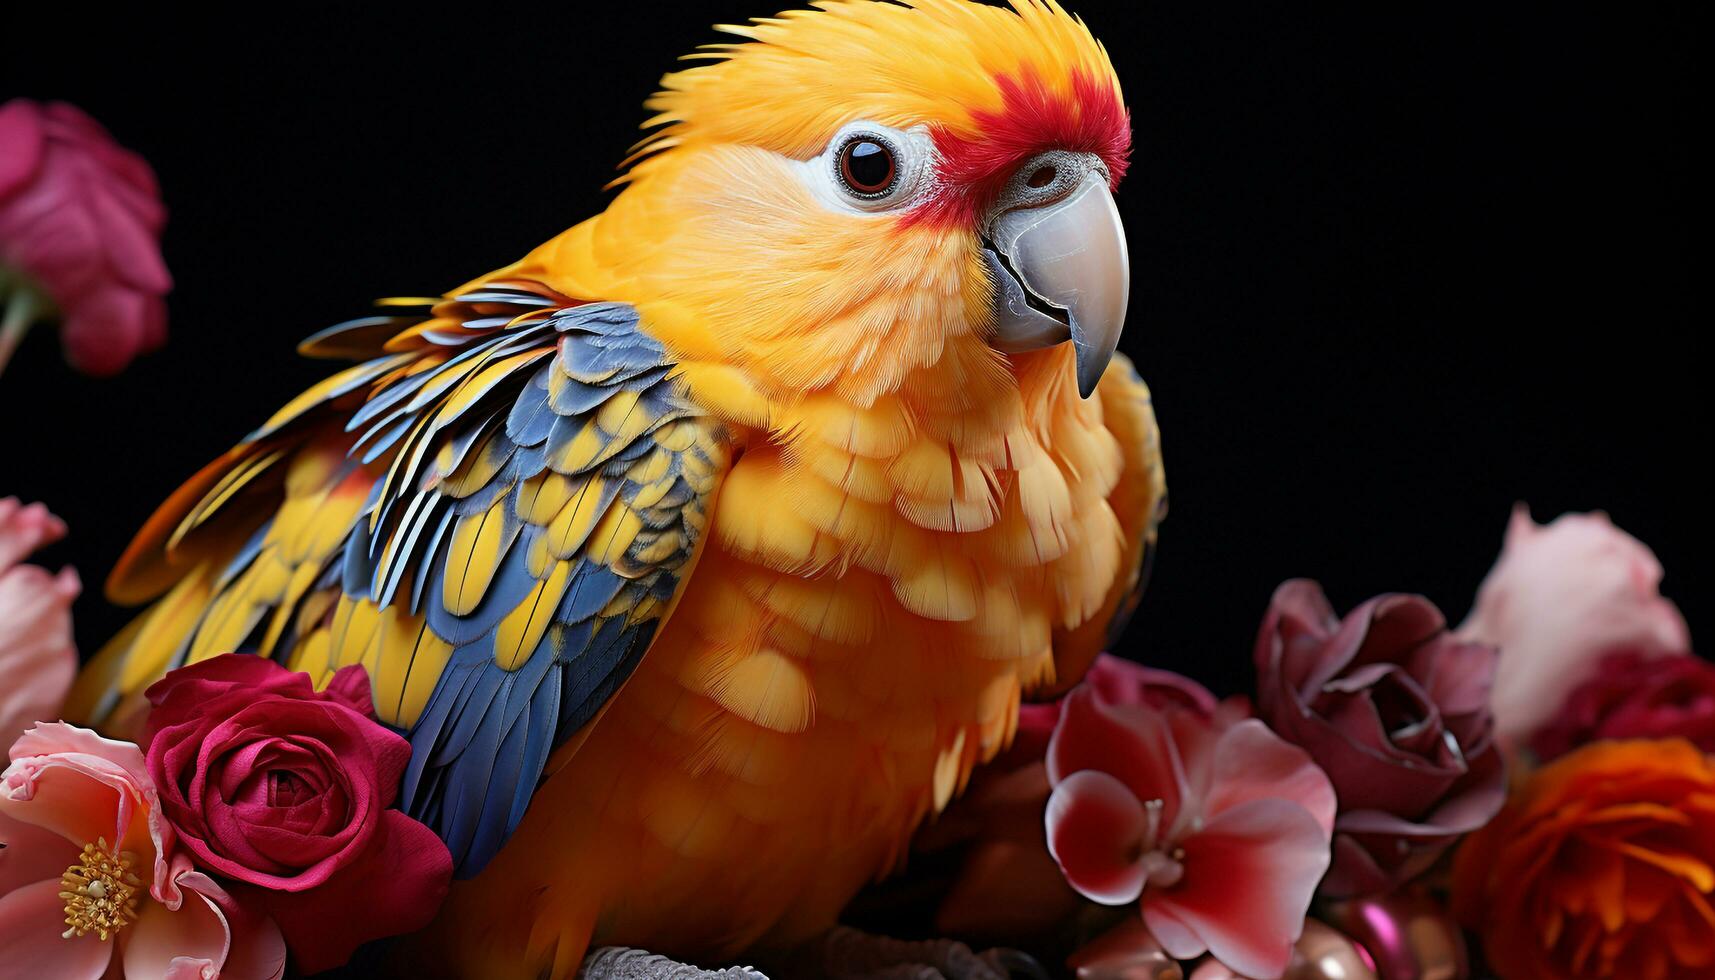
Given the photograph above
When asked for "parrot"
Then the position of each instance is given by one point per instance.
(703, 553)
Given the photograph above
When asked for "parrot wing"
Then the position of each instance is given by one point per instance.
(525, 483)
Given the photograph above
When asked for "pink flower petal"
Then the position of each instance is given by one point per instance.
(133, 247)
(1120, 681)
(86, 787)
(1132, 743)
(29, 854)
(21, 139)
(1253, 763)
(104, 329)
(71, 124)
(1560, 598)
(31, 920)
(81, 216)
(1096, 828)
(1249, 876)
(166, 942)
(37, 656)
(207, 934)
(25, 528)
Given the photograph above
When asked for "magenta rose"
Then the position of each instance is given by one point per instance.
(80, 230)
(1396, 710)
(287, 790)
(1634, 695)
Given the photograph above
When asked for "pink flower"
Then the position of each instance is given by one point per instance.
(1396, 711)
(1118, 681)
(80, 226)
(1562, 596)
(37, 658)
(287, 789)
(1008, 888)
(82, 844)
(1632, 696)
(1222, 829)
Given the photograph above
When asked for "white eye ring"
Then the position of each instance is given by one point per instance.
(912, 152)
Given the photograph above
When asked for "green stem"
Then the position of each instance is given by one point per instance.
(21, 305)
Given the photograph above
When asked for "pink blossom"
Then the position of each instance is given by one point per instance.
(1561, 597)
(1008, 888)
(78, 813)
(1119, 681)
(1219, 827)
(37, 658)
(80, 227)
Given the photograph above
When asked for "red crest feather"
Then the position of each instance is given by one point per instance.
(1032, 119)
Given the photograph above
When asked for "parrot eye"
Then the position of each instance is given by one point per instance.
(868, 166)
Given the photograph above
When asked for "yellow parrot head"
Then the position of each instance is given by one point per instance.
(859, 191)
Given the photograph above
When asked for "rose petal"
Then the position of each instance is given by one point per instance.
(22, 137)
(1096, 828)
(1249, 876)
(1559, 598)
(1395, 623)
(1458, 676)
(105, 329)
(131, 245)
(71, 124)
(395, 887)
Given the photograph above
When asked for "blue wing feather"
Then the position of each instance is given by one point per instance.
(485, 733)
(516, 375)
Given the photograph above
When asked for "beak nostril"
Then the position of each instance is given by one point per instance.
(1042, 176)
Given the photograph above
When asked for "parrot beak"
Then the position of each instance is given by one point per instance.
(1061, 273)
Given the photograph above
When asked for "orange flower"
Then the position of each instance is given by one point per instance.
(1601, 865)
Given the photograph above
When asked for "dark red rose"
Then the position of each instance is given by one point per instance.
(1396, 710)
(287, 790)
(1633, 695)
(80, 230)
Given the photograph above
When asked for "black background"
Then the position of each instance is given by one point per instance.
(1394, 269)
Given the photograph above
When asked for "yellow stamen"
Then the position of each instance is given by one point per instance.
(100, 891)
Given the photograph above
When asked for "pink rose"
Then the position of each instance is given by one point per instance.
(82, 839)
(287, 789)
(1396, 711)
(1561, 597)
(37, 657)
(80, 227)
(1632, 696)
(1221, 829)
